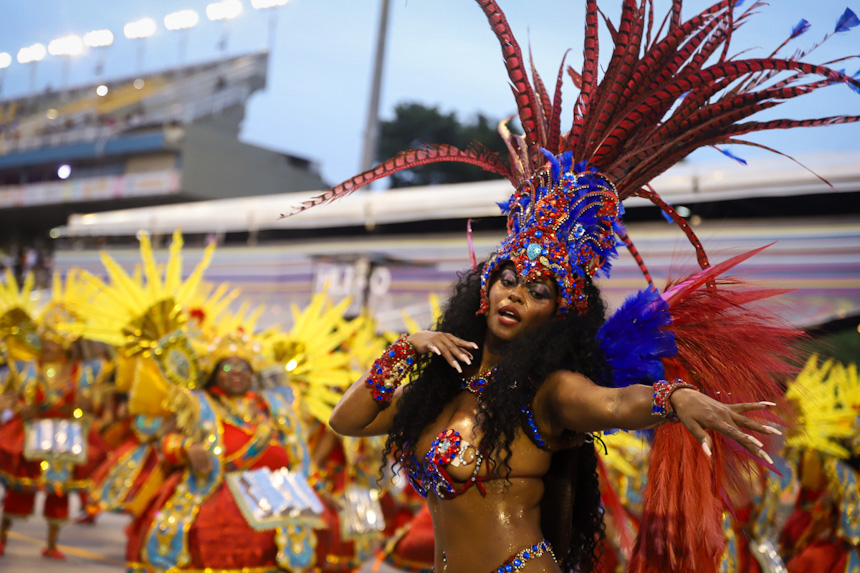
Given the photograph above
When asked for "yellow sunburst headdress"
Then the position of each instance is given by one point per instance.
(142, 315)
(311, 353)
(58, 321)
(134, 312)
(17, 312)
(827, 398)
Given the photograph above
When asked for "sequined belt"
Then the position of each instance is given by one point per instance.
(518, 560)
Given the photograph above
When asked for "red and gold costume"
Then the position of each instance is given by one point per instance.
(246, 432)
(53, 390)
(50, 445)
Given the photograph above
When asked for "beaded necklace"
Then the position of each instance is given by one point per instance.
(477, 383)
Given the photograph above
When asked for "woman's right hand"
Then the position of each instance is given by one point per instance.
(448, 346)
(199, 460)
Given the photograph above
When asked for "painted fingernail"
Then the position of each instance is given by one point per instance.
(754, 440)
(764, 456)
(475, 346)
(456, 366)
(465, 359)
(768, 403)
(772, 430)
(707, 449)
(436, 350)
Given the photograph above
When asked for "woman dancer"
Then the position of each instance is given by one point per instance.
(54, 396)
(236, 428)
(540, 371)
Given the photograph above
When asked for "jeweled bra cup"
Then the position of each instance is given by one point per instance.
(447, 449)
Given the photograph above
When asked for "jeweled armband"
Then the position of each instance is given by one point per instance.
(663, 390)
(389, 370)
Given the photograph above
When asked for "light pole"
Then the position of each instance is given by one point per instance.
(68, 47)
(140, 30)
(270, 5)
(98, 39)
(181, 22)
(225, 10)
(5, 61)
(32, 55)
(371, 130)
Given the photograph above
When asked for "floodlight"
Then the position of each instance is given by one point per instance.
(34, 53)
(224, 10)
(98, 38)
(181, 20)
(263, 4)
(139, 29)
(66, 46)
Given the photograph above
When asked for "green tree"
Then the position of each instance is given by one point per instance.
(415, 124)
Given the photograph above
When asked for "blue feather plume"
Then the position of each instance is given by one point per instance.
(728, 153)
(846, 21)
(634, 340)
(800, 28)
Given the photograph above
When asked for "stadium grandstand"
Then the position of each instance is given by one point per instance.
(164, 137)
(390, 250)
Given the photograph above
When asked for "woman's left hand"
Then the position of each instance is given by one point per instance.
(699, 413)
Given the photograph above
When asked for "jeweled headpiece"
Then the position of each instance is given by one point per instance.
(561, 226)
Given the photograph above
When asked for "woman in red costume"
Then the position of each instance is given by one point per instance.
(195, 521)
(496, 424)
(54, 388)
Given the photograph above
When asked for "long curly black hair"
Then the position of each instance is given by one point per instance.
(572, 518)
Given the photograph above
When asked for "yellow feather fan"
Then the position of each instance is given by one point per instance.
(827, 398)
(142, 315)
(312, 353)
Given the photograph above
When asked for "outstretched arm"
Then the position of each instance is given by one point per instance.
(358, 414)
(570, 401)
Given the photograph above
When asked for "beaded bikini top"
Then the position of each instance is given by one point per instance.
(450, 449)
(430, 473)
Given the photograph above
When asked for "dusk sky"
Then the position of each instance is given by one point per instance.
(439, 52)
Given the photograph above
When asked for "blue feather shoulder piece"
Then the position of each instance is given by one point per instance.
(634, 339)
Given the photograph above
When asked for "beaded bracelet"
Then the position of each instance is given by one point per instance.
(663, 390)
(389, 370)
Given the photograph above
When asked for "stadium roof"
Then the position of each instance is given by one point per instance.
(685, 184)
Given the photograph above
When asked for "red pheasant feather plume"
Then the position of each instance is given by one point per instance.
(662, 97)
